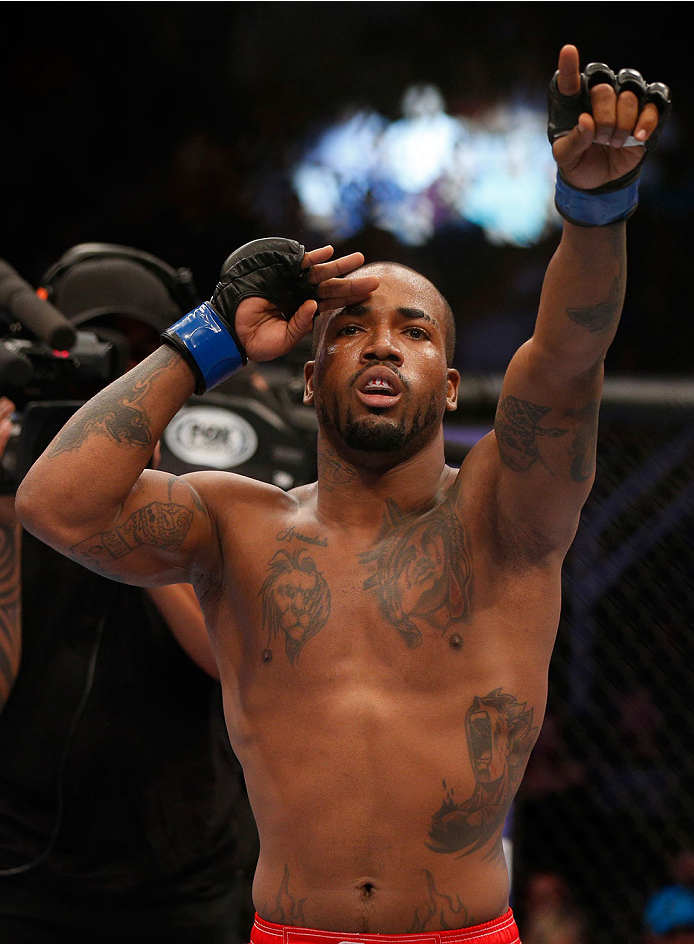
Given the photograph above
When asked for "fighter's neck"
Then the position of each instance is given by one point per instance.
(354, 494)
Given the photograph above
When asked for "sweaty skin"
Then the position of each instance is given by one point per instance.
(383, 635)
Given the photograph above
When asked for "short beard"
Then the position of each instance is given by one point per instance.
(369, 435)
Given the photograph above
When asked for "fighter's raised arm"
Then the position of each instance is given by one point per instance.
(90, 494)
(601, 126)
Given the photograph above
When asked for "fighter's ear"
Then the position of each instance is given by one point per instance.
(309, 367)
(453, 383)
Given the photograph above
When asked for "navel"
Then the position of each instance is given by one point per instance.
(366, 890)
(455, 641)
(267, 656)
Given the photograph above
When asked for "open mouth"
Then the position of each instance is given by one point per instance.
(379, 388)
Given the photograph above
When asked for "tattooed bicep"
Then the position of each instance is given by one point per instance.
(161, 523)
(157, 524)
(520, 427)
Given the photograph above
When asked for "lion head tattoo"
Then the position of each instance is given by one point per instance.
(296, 600)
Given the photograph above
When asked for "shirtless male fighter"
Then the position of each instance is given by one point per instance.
(383, 635)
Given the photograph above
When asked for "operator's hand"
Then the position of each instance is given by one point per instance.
(266, 334)
(7, 408)
(593, 153)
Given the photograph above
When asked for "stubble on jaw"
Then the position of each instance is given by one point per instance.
(372, 434)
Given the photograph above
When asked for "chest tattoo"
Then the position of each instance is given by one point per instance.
(423, 571)
(295, 600)
(291, 534)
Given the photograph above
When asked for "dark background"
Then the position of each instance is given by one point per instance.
(170, 127)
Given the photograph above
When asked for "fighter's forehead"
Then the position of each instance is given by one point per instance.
(401, 289)
(398, 277)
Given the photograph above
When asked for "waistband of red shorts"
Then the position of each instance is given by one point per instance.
(501, 930)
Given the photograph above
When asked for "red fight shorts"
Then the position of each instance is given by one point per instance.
(501, 930)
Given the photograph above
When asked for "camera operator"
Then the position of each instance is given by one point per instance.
(123, 815)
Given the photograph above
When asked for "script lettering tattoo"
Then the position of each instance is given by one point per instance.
(286, 908)
(583, 447)
(159, 524)
(500, 735)
(113, 413)
(423, 571)
(10, 611)
(517, 432)
(288, 534)
(604, 314)
(295, 600)
(440, 912)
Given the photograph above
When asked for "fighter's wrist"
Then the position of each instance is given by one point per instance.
(208, 344)
(599, 207)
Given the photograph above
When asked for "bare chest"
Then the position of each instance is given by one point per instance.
(408, 583)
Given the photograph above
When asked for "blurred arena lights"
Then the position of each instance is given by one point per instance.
(429, 169)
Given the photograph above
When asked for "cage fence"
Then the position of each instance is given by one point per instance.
(608, 798)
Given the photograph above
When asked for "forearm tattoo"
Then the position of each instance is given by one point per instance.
(604, 314)
(517, 427)
(115, 412)
(159, 524)
(423, 571)
(10, 610)
(500, 734)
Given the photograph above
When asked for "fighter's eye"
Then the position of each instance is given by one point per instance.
(349, 330)
(417, 333)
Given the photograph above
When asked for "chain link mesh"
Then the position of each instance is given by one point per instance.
(608, 798)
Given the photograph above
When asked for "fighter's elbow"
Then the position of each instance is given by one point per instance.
(32, 507)
(43, 510)
(26, 504)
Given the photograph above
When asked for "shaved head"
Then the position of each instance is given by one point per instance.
(383, 268)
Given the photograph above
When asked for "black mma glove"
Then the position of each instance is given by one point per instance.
(618, 199)
(206, 337)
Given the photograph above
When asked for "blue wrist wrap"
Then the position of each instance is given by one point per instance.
(208, 342)
(586, 208)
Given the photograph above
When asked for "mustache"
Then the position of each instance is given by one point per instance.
(394, 370)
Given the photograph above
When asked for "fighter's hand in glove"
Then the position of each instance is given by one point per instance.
(264, 302)
(264, 330)
(600, 124)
